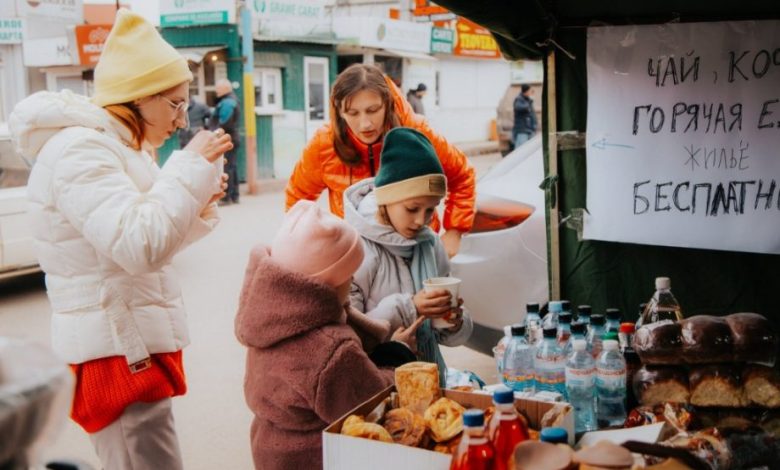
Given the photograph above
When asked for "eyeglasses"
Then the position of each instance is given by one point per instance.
(178, 108)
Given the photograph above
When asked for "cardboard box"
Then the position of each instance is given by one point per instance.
(347, 453)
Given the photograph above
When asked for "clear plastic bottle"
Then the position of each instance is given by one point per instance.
(500, 349)
(505, 429)
(579, 330)
(533, 323)
(583, 314)
(626, 335)
(565, 306)
(564, 328)
(611, 386)
(518, 367)
(614, 317)
(595, 333)
(550, 364)
(662, 306)
(474, 451)
(555, 308)
(580, 387)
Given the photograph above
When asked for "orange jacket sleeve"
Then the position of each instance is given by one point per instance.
(459, 208)
(306, 181)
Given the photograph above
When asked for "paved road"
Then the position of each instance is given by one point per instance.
(212, 418)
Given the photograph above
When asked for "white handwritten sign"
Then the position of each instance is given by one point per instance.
(683, 138)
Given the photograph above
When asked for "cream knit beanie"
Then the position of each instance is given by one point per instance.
(136, 62)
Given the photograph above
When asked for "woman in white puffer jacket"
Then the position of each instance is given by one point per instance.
(107, 223)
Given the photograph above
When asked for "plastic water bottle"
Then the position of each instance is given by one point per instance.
(579, 330)
(550, 364)
(663, 305)
(500, 349)
(564, 329)
(595, 333)
(614, 317)
(518, 367)
(550, 320)
(611, 386)
(505, 429)
(583, 314)
(533, 323)
(580, 386)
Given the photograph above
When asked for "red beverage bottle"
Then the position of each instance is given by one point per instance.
(506, 429)
(475, 451)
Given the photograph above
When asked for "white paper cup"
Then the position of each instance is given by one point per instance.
(219, 163)
(451, 284)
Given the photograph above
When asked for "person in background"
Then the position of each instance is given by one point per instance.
(364, 106)
(198, 115)
(108, 222)
(525, 116)
(305, 366)
(226, 114)
(391, 212)
(415, 98)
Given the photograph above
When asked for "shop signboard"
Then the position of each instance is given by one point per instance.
(90, 39)
(289, 18)
(384, 33)
(472, 40)
(424, 11)
(442, 40)
(70, 10)
(11, 30)
(683, 135)
(196, 12)
(45, 52)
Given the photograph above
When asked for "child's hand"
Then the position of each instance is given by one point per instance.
(432, 303)
(408, 336)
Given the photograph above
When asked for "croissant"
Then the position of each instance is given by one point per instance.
(445, 419)
(405, 426)
(355, 426)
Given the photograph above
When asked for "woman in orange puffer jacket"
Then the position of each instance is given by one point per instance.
(364, 105)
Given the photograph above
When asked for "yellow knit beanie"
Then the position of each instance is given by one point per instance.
(136, 62)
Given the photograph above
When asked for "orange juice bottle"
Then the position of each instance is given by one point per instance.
(506, 429)
(475, 451)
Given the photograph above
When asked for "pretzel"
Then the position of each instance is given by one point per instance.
(405, 426)
(355, 426)
(445, 419)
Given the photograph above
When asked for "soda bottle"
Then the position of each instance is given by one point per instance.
(579, 330)
(518, 367)
(564, 328)
(626, 336)
(610, 386)
(506, 429)
(614, 317)
(595, 333)
(554, 435)
(555, 308)
(583, 314)
(580, 387)
(662, 306)
(500, 349)
(533, 323)
(474, 451)
(550, 364)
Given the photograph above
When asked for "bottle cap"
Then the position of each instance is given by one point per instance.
(550, 332)
(555, 307)
(518, 330)
(580, 345)
(474, 417)
(610, 335)
(627, 328)
(507, 330)
(579, 327)
(532, 308)
(597, 319)
(554, 435)
(566, 305)
(564, 317)
(584, 310)
(503, 395)
(614, 314)
(610, 345)
(663, 283)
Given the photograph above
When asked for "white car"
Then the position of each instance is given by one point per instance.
(17, 253)
(503, 261)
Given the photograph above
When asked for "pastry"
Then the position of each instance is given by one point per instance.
(716, 385)
(418, 385)
(762, 386)
(659, 342)
(445, 419)
(405, 426)
(448, 447)
(554, 417)
(355, 426)
(536, 455)
(706, 339)
(658, 384)
(754, 338)
(604, 455)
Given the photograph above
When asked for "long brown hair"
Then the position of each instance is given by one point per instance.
(129, 115)
(355, 78)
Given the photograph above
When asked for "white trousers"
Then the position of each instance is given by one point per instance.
(143, 438)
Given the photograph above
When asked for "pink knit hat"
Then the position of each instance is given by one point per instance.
(318, 244)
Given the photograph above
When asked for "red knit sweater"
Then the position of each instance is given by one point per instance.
(105, 387)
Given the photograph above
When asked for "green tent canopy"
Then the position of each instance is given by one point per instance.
(606, 274)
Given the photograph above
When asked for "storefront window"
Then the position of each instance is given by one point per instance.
(268, 90)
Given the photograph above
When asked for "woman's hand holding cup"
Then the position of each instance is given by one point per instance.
(210, 144)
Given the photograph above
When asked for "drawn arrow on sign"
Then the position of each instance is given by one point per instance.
(603, 144)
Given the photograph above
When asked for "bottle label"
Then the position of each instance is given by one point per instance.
(580, 377)
(517, 378)
(611, 378)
